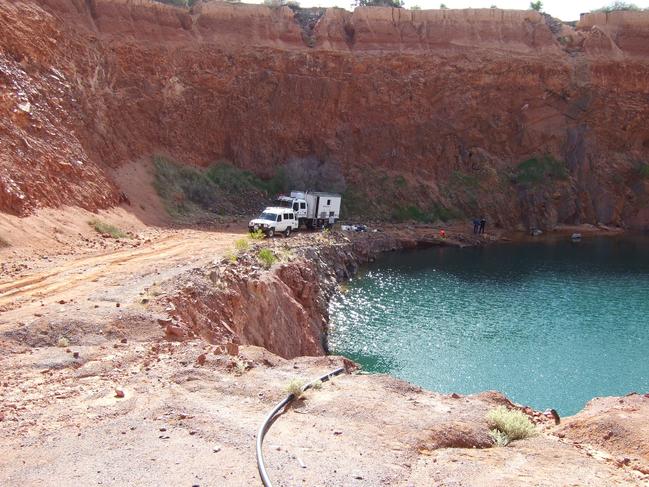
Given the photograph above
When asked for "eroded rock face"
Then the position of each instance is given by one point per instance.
(452, 101)
(279, 310)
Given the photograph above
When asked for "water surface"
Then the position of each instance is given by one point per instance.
(548, 324)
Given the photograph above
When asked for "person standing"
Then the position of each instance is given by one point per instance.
(483, 223)
(476, 226)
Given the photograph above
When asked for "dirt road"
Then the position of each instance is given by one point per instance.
(108, 276)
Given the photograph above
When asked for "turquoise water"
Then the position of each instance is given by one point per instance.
(551, 325)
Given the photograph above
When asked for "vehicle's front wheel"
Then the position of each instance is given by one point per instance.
(270, 232)
(287, 232)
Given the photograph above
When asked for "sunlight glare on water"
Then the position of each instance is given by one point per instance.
(551, 325)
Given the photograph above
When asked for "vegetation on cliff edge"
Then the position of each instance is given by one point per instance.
(107, 229)
(509, 425)
(538, 170)
(619, 7)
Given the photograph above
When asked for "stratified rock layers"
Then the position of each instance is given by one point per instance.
(451, 101)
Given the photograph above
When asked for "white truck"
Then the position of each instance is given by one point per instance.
(275, 220)
(313, 209)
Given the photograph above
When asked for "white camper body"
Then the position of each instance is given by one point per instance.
(314, 209)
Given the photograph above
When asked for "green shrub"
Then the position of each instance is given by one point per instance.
(295, 388)
(463, 180)
(242, 245)
(514, 424)
(538, 6)
(643, 170)
(232, 179)
(445, 214)
(410, 213)
(267, 258)
(106, 228)
(183, 187)
(618, 6)
(537, 170)
(499, 438)
(257, 235)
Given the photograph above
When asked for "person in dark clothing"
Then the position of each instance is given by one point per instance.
(483, 222)
(476, 225)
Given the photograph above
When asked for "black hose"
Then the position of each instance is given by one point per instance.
(265, 426)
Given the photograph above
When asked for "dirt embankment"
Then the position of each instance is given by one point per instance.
(427, 110)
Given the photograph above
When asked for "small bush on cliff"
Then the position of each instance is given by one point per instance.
(643, 170)
(514, 424)
(267, 258)
(106, 229)
(539, 169)
(461, 179)
(538, 6)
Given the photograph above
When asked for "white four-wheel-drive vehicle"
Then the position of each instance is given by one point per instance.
(275, 220)
(313, 209)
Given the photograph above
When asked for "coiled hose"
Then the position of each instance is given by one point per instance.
(265, 426)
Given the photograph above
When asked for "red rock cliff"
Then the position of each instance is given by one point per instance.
(451, 101)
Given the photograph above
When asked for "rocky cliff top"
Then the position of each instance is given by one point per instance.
(364, 29)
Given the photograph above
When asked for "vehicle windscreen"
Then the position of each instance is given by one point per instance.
(271, 217)
(284, 204)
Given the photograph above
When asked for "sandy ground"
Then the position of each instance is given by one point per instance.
(189, 417)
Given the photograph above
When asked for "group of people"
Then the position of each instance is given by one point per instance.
(478, 225)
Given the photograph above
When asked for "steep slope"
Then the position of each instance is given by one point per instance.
(433, 109)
